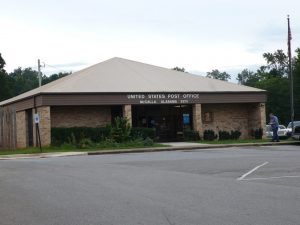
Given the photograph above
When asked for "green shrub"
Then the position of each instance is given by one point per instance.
(74, 135)
(72, 140)
(224, 135)
(148, 142)
(235, 135)
(120, 130)
(257, 133)
(142, 132)
(85, 143)
(209, 135)
(190, 135)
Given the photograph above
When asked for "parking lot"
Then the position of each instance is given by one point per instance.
(233, 186)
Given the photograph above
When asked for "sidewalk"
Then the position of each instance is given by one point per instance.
(41, 155)
(175, 146)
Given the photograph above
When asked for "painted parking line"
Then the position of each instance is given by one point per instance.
(251, 171)
(269, 178)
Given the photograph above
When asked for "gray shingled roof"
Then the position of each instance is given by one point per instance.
(119, 75)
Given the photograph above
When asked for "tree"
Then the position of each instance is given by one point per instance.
(24, 80)
(273, 78)
(247, 77)
(277, 63)
(277, 97)
(5, 90)
(216, 74)
(21, 80)
(179, 69)
(53, 77)
(296, 79)
(2, 62)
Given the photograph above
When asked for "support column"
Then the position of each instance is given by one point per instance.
(21, 129)
(197, 119)
(127, 113)
(262, 113)
(257, 118)
(44, 126)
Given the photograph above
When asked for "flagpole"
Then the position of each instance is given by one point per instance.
(290, 74)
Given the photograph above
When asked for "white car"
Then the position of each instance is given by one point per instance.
(289, 127)
(296, 134)
(282, 131)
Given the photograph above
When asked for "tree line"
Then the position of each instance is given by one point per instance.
(272, 77)
(22, 80)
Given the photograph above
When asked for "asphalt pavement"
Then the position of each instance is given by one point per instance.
(229, 186)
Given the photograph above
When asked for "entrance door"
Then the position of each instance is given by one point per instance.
(168, 120)
(29, 120)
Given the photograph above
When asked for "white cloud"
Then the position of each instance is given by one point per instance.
(197, 35)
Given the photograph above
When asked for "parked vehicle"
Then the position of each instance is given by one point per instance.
(289, 127)
(296, 134)
(282, 131)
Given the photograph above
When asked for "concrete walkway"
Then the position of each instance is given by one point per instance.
(41, 155)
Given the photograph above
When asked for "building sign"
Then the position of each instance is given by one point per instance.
(186, 118)
(170, 98)
(36, 118)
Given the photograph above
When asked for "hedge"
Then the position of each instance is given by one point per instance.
(257, 133)
(233, 135)
(209, 135)
(142, 132)
(191, 135)
(62, 135)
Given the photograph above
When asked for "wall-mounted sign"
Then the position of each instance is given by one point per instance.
(207, 117)
(36, 118)
(172, 98)
(186, 118)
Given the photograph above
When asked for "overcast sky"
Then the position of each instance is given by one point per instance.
(200, 35)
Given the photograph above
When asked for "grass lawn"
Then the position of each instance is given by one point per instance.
(67, 148)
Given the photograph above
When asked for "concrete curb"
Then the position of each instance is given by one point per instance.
(142, 150)
(194, 147)
(41, 155)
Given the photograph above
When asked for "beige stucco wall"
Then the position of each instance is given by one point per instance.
(21, 129)
(242, 117)
(80, 116)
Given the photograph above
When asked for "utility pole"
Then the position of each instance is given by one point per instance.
(39, 73)
(290, 74)
(36, 115)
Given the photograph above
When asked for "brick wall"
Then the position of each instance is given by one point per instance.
(197, 118)
(257, 116)
(21, 129)
(127, 113)
(44, 125)
(80, 116)
(242, 117)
